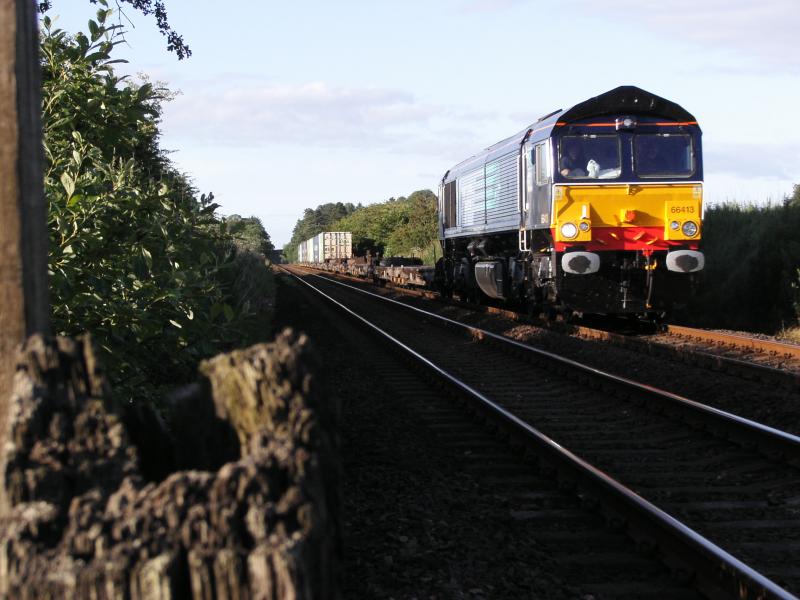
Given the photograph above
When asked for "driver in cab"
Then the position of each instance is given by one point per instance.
(573, 162)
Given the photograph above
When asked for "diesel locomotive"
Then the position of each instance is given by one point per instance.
(594, 209)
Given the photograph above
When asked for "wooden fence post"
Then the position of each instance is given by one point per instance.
(24, 307)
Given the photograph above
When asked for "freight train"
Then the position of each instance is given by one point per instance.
(594, 209)
(333, 251)
(597, 208)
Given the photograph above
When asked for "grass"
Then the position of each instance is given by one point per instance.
(791, 334)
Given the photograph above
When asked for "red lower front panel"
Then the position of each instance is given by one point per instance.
(627, 238)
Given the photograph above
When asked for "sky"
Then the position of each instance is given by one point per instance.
(284, 106)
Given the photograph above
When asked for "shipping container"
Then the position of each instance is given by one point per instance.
(334, 245)
(328, 245)
(302, 252)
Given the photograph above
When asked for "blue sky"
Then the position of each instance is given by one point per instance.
(285, 106)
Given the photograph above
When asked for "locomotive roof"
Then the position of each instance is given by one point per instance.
(626, 99)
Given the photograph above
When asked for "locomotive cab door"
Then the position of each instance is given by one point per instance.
(525, 185)
(539, 185)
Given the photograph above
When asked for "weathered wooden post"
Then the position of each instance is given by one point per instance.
(24, 305)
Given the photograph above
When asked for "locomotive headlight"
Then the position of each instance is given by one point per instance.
(689, 229)
(569, 231)
(674, 226)
(584, 226)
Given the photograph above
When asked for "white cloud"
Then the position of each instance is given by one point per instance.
(754, 161)
(722, 188)
(472, 6)
(318, 114)
(765, 32)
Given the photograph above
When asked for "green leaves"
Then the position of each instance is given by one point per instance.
(175, 42)
(145, 92)
(398, 227)
(134, 253)
(752, 257)
(228, 312)
(94, 29)
(315, 221)
(68, 183)
(248, 233)
(148, 258)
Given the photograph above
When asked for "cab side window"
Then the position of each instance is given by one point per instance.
(541, 163)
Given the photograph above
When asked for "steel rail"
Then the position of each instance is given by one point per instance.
(772, 441)
(736, 340)
(789, 379)
(763, 372)
(719, 573)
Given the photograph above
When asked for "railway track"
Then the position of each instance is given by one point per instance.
(751, 358)
(739, 342)
(481, 518)
(737, 488)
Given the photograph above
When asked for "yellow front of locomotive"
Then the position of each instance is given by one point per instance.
(626, 215)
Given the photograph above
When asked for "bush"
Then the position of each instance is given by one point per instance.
(135, 256)
(752, 259)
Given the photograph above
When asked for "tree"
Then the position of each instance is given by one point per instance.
(135, 256)
(418, 231)
(315, 221)
(175, 42)
(249, 234)
(397, 227)
(795, 197)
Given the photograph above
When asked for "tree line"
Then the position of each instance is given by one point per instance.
(404, 226)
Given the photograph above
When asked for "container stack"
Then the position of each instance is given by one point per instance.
(326, 246)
